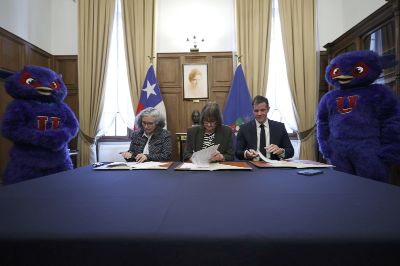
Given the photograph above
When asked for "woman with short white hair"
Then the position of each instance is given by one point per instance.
(151, 142)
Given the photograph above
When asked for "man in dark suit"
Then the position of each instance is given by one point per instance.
(263, 135)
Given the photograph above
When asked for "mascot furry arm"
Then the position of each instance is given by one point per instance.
(39, 123)
(358, 123)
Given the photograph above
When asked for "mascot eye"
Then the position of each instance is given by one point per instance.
(55, 85)
(335, 71)
(30, 81)
(360, 69)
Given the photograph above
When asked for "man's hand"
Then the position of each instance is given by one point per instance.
(274, 149)
(250, 154)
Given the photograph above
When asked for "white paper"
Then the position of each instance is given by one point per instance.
(192, 166)
(284, 163)
(202, 157)
(131, 165)
(116, 164)
(265, 159)
(148, 164)
(210, 167)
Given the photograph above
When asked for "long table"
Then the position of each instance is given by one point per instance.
(167, 217)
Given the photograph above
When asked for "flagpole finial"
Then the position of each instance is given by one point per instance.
(239, 58)
(151, 59)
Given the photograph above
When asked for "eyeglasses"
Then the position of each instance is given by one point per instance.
(211, 123)
(147, 124)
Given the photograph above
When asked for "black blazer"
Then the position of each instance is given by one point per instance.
(223, 137)
(247, 139)
(160, 147)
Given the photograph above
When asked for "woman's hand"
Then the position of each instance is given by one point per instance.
(126, 154)
(140, 158)
(217, 157)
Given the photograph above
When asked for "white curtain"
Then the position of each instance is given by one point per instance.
(118, 114)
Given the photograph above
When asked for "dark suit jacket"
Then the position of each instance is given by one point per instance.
(223, 137)
(160, 147)
(247, 139)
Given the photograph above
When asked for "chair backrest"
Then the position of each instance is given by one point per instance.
(108, 151)
(181, 142)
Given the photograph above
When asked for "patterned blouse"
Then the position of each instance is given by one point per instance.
(208, 140)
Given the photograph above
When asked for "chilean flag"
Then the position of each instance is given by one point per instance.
(150, 95)
(238, 109)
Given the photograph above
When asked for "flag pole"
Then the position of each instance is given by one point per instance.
(151, 59)
(239, 58)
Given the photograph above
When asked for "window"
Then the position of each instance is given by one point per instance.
(118, 115)
(278, 91)
(382, 42)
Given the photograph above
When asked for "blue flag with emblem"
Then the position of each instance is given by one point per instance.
(238, 109)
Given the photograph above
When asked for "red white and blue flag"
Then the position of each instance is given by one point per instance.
(238, 109)
(150, 95)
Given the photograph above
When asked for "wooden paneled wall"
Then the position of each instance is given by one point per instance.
(67, 66)
(14, 54)
(170, 80)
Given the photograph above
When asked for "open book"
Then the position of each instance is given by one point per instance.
(267, 163)
(134, 166)
(214, 166)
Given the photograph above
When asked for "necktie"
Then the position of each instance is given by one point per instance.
(262, 140)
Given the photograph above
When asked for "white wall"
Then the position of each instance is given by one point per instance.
(64, 28)
(356, 10)
(337, 17)
(212, 20)
(29, 20)
(330, 21)
(48, 24)
(55, 31)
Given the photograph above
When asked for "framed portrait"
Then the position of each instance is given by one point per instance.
(195, 81)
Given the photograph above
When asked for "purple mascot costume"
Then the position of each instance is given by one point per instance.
(358, 123)
(39, 123)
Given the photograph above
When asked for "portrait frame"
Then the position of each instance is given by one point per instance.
(195, 81)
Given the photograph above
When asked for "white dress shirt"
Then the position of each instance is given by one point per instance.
(146, 147)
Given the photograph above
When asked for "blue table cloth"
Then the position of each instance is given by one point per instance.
(167, 217)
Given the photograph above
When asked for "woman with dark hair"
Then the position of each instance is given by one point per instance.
(151, 142)
(210, 132)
